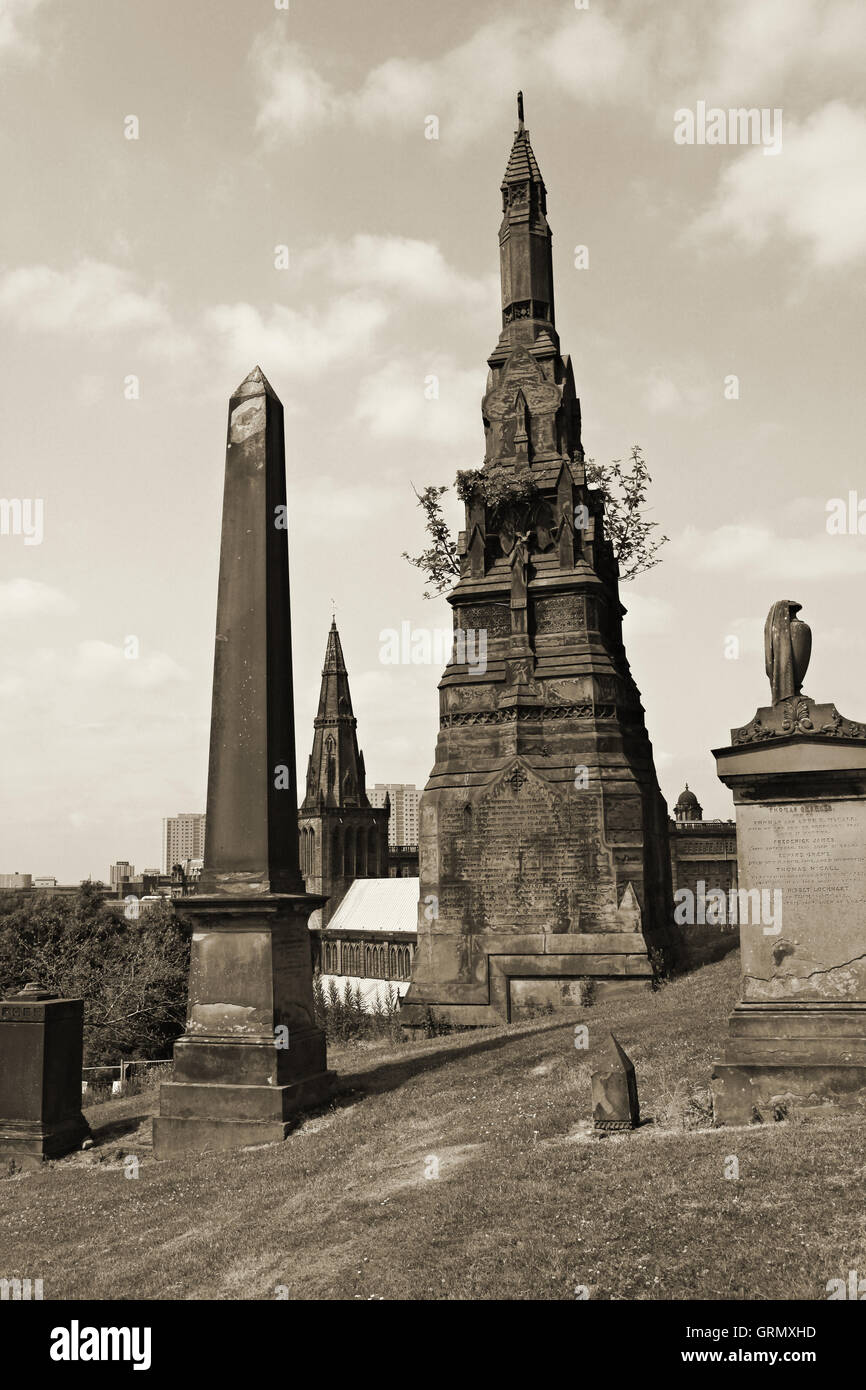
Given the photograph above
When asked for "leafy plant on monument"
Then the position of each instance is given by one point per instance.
(516, 504)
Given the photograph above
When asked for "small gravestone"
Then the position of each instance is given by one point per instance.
(40, 1076)
(614, 1088)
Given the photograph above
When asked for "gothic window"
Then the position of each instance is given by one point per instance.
(349, 854)
(336, 851)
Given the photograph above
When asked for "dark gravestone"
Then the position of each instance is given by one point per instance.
(251, 1054)
(40, 1076)
(614, 1088)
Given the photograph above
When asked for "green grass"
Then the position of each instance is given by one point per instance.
(528, 1204)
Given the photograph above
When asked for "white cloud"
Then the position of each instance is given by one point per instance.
(295, 342)
(645, 616)
(98, 663)
(91, 297)
(813, 192)
(403, 265)
(294, 97)
(29, 598)
(16, 17)
(762, 554)
(756, 47)
(664, 396)
(395, 402)
(586, 56)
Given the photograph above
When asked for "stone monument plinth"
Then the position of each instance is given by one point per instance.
(251, 1054)
(798, 775)
(40, 1076)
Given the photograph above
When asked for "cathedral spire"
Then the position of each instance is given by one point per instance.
(335, 772)
(525, 259)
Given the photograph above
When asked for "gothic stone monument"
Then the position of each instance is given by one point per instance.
(543, 834)
(251, 1054)
(40, 1076)
(798, 775)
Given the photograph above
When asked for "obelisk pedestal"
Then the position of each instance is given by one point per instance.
(798, 774)
(251, 1054)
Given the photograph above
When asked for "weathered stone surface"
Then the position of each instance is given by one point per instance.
(40, 1076)
(798, 1036)
(251, 1054)
(614, 1088)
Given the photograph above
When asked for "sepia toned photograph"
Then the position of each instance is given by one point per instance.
(433, 690)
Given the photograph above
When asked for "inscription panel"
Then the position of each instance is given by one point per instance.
(808, 861)
(521, 858)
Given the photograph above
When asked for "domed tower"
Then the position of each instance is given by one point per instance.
(688, 807)
(543, 837)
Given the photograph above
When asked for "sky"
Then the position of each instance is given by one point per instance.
(154, 159)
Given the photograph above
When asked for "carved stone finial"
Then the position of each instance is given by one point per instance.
(787, 647)
(520, 109)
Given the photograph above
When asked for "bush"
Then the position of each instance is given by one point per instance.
(130, 972)
(345, 1016)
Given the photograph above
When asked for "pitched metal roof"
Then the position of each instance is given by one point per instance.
(378, 904)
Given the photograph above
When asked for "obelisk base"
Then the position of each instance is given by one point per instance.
(252, 1055)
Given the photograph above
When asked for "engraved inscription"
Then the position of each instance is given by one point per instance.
(523, 859)
(812, 853)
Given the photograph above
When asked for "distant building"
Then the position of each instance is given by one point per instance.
(45, 882)
(120, 872)
(371, 938)
(182, 838)
(404, 801)
(403, 861)
(16, 881)
(703, 858)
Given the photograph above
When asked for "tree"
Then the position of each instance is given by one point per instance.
(623, 486)
(438, 563)
(130, 972)
(624, 489)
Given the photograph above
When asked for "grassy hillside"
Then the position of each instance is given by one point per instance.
(527, 1204)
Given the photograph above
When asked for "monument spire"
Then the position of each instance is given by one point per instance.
(525, 257)
(335, 771)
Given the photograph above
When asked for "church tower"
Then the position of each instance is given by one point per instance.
(543, 834)
(342, 837)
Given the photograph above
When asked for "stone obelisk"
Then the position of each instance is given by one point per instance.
(251, 1053)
